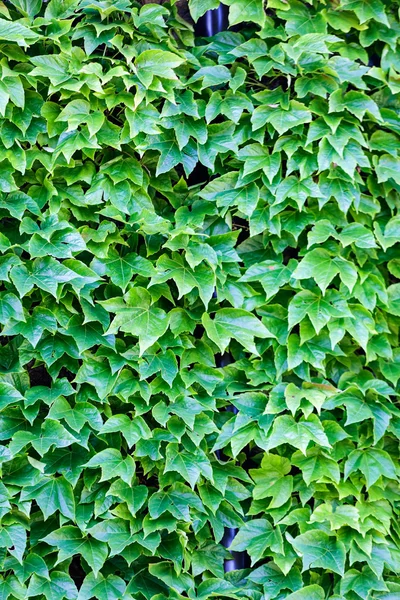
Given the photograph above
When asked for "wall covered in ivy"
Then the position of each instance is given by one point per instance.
(199, 301)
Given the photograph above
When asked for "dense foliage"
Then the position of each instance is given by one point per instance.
(189, 225)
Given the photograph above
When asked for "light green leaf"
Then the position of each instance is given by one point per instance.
(318, 549)
(272, 480)
(234, 323)
(319, 264)
(256, 536)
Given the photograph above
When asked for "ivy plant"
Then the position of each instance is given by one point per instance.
(200, 300)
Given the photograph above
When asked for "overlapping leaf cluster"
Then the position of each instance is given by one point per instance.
(138, 304)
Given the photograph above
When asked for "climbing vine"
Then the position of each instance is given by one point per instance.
(190, 226)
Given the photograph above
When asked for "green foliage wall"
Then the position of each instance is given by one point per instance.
(124, 280)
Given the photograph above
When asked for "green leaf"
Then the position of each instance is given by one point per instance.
(52, 434)
(256, 536)
(45, 273)
(166, 573)
(337, 516)
(134, 495)
(53, 67)
(318, 309)
(113, 465)
(32, 564)
(9, 395)
(199, 7)
(200, 299)
(319, 265)
(272, 276)
(186, 278)
(139, 317)
(365, 11)
(13, 537)
(287, 431)
(388, 168)
(103, 588)
(281, 119)
(372, 462)
(234, 323)
(272, 480)
(11, 308)
(156, 62)
(316, 465)
(17, 32)
(318, 549)
(274, 580)
(361, 582)
(189, 465)
(52, 494)
(61, 585)
(121, 269)
(132, 429)
(70, 541)
(310, 592)
(241, 10)
(177, 501)
(87, 335)
(256, 157)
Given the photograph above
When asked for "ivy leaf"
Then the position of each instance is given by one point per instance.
(287, 431)
(189, 465)
(76, 416)
(166, 573)
(234, 323)
(361, 582)
(315, 465)
(13, 537)
(17, 32)
(318, 549)
(121, 269)
(186, 279)
(177, 501)
(139, 317)
(387, 168)
(317, 308)
(272, 480)
(372, 462)
(87, 335)
(61, 585)
(256, 536)
(270, 274)
(9, 395)
(256, 157)
(134, 495)
(245, 11)
(199, 7)
(11, 308)
(52, 434)
(113, 465)
(364, 11)
(274, 580)
(281, 119)
(199, 301)
(70, 541)
(103, 588)
(46, 274)
(132, 429)
(152, 63)
(319, 265)
(338, 516)
(52, 494)
(310, 592)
